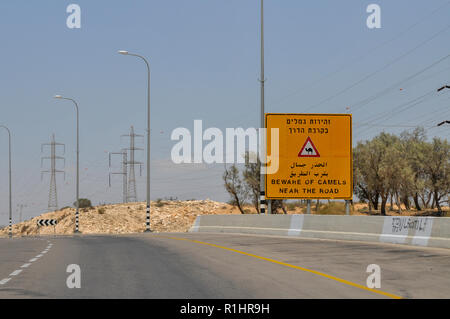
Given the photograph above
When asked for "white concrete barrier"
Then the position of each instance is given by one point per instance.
(421, 231)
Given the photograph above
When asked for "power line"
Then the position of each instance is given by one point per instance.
(369, 52)
(380, 69)
(388, 125)
(442, 111)
(426, 123)
(397, 84)
(401, 108)
(368, 120)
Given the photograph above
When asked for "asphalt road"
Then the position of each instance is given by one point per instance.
(217, 266)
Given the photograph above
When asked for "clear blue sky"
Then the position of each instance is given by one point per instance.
(205, 65)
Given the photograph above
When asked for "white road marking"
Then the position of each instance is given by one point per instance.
(26, 265)
(4, 281)
(16, 272)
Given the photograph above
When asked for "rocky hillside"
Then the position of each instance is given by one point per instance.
(166, 216)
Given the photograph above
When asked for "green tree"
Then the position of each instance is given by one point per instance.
(84, 203)
(384, 144)
(414, 147)
(235, 187)
(396, 172)
(380, 170)
(437, 170)
(402, 168)
(251, 175)
(366, 163)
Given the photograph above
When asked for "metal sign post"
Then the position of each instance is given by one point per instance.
(347, 207)
(47, 222)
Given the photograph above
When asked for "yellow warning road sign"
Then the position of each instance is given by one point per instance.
(315, 156)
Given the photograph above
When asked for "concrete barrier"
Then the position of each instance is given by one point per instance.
(420, 231)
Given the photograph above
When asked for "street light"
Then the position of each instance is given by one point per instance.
(10, 191)
(123, 52)
(262, 188)
(440, 89)
(78, 162)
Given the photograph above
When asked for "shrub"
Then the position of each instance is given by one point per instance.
(159, 203)
(24, 229)
(101, 210)
(332, 208)
(83, 203)
(293, 205)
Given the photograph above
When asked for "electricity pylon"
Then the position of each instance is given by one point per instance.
(19, 209)
(124, 172)
(132, 192)
(52, 197)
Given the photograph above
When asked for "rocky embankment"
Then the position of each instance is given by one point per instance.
(166, 216)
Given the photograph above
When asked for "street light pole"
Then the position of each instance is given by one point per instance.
(10, 183)
(439, 90)
(444, 122)
(262, 202)
(147, 223)
(78, 163)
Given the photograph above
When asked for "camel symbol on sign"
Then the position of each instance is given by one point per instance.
(308, 149)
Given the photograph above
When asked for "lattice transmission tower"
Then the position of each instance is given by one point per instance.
(19, 211)
(132, 191)
(52, 196)
(124, 173)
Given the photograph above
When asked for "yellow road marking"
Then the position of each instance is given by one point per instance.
(387, 294)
